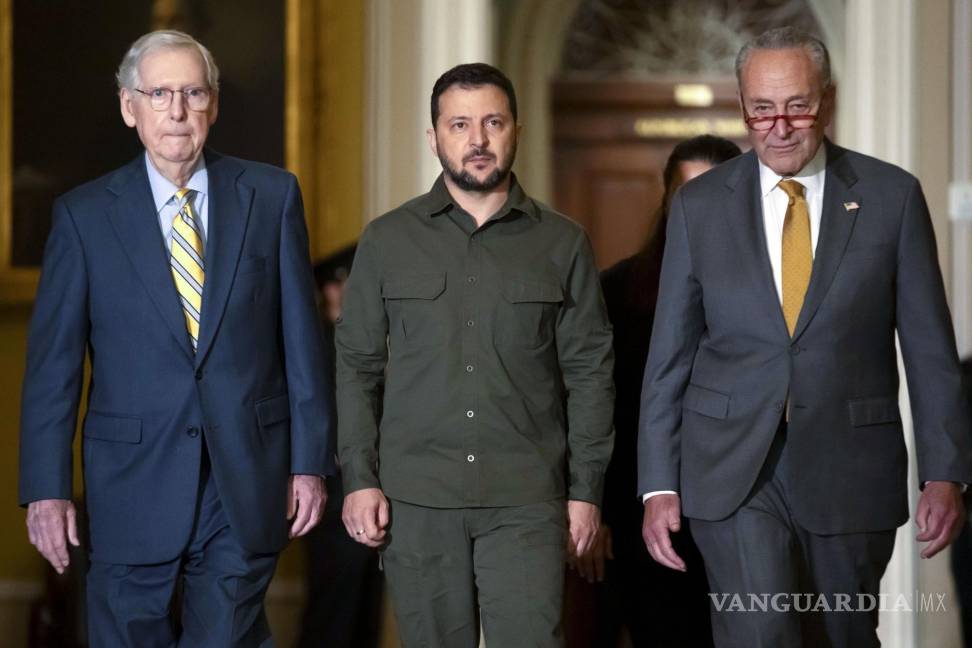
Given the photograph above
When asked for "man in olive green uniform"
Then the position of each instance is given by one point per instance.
(475, 390)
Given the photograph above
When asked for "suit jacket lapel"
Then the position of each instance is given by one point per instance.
(229, 213)
(836, 225)
(136, 223)
(745, 215)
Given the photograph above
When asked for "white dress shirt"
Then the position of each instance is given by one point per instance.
(775, 202)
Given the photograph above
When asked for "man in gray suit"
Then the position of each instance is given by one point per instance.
(770, 400)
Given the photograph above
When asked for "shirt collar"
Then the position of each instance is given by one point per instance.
(163, 190)
(439, 200)
(811, 176)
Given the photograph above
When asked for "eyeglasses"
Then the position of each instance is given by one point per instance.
(767, 123)
(161, 98)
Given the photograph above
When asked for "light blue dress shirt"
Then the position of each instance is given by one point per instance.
(163, 195)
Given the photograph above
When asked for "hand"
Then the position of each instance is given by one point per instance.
(590, 566)
(49, 522)
(365, 516)
(306, 497)
(583, 519)
(663, 514)
(940, 516)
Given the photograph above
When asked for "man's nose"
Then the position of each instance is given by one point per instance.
(781, 127)
(177, 109)
(477, 136)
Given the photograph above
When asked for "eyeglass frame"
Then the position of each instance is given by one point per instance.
(775, 118)
(171, 95)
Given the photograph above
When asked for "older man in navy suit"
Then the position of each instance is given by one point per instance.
(184, 277)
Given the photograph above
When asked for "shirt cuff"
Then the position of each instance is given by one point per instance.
(648, 496)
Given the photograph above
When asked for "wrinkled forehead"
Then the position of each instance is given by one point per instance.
(780, 75)
(165, 63)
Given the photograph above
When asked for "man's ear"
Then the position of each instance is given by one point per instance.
(125, 105)
(433, 145)
(828, 104)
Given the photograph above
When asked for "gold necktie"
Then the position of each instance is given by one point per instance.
(186, 261)
(797, 253)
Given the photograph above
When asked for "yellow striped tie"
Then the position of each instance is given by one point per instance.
(797, 253)
(186, 261)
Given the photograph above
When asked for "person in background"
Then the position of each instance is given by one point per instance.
(659, 607)
(344, 583)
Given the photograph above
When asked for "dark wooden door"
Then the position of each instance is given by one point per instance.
(611, 141)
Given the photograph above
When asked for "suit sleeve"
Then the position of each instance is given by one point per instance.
(678, 327)
(306, 356)
(586, 356)
(943, 433)
(56, 349)
(362, 353)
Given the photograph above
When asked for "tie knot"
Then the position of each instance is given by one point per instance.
(792, 188)
(183, 196)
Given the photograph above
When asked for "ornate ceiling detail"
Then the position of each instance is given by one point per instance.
(648, 38)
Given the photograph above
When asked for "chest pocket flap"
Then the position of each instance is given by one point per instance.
(420, 286)
(520, 291)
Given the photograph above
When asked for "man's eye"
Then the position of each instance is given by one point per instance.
(194, 92)
(158, 93)
(799, 108)
(459, 126)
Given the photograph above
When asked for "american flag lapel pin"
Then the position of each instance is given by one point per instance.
(851, 206)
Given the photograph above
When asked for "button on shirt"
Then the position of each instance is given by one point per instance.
(167, 207)
(466, 354)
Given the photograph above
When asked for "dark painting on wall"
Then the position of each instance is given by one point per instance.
(67, 127)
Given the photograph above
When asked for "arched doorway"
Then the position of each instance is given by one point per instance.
(636, 77)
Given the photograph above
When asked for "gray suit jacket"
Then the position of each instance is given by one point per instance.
(722, 362)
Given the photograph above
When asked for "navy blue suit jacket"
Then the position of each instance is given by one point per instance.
(257, 391)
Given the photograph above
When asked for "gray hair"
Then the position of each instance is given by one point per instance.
(787, 38)
(127, 75)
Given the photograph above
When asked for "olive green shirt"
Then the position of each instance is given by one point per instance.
(474, 364)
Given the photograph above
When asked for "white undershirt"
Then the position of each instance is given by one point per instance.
(775, 201)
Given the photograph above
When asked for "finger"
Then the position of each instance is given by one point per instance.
(370, 522)
(674, 520)
(72, 527)
(932, 525)
(937, 544)
(300, 520)
(383, 512)
(921, 514)
(663, 552)
(53, 540)
(291, 499)
(313, 517)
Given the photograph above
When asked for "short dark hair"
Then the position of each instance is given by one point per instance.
(472, 75)
(704, 148)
